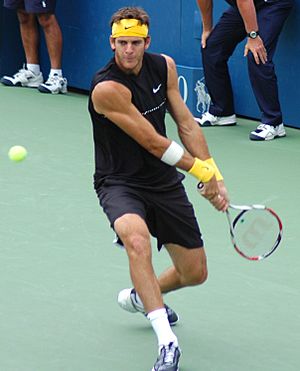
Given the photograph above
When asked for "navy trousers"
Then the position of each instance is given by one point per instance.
(222, 41)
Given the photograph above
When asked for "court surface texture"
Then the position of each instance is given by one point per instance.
(60, 273)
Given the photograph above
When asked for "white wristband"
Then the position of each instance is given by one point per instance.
(172, 154)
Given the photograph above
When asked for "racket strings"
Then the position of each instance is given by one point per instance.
(256, 232)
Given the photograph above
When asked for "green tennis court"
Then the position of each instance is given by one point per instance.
(60, 274)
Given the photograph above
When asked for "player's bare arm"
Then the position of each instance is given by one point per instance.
(114, 101)
(191, 134)
(255, 46)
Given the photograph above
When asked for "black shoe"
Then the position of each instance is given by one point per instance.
(172, 316)
(168, 358)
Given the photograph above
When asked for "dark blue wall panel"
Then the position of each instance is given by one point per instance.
(11, 51)
(86, 34)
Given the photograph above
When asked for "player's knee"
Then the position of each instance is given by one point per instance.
(200, 276)
(196, 276)
(138, 246)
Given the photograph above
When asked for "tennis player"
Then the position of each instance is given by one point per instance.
(136, 177)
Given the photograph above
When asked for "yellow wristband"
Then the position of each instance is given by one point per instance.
(202, 170)
(218, 174)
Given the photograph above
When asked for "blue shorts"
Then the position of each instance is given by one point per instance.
(32, 6)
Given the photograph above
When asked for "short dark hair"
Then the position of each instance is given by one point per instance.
(130, 12)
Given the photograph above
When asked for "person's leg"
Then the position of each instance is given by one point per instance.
(135, 236)
(225, 36)
(56, 83)
(30, 36)
(53, 38)
(30, 75)
(263, 78)
(189, 268)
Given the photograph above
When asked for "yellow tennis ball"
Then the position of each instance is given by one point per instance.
(17, 153)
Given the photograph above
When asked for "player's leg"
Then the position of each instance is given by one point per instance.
(189, 268)
(225, 36)
(134, 233)
(135, 236)
(263, 78)
(118, 201)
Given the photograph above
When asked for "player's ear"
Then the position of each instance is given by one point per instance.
(112, 42)
(147, 42)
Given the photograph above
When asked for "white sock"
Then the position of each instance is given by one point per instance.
(35, 68)
(162, 328)
(54, 71)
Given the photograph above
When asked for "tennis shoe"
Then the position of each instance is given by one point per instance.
(267, 132)
(168, 358)
(207, 119)
(54, 85)
(24, 78)
(128, 301)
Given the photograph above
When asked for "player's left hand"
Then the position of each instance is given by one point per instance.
(257, 48)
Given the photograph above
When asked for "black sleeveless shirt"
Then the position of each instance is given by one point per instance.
(118, 158)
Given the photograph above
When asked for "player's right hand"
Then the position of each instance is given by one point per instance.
(215, 192)
(204, 37)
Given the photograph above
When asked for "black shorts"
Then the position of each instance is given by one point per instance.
(169, 215)
(32, 6)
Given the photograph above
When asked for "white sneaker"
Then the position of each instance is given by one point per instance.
(128, 301)
(168, 358)
(267, 132)
(207, 119)
(54, 85)
(23, 77)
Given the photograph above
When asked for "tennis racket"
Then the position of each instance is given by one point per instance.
(255, 231)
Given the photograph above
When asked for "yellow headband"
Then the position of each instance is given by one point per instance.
(129, 27)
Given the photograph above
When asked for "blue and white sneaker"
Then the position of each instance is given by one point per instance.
(207, 119)
(24, 78)
(168, 359)
(267, 132)
(128, 301)
(54, 85)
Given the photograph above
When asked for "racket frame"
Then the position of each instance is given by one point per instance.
(232, 222)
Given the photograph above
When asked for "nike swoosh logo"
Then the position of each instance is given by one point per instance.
(155, 90)
(126, 28)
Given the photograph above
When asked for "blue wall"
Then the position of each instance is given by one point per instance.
(11, 51)
(175, 30)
